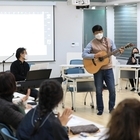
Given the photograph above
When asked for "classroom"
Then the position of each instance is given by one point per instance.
(55, 32)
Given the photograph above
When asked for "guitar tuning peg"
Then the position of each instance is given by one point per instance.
(131, 44)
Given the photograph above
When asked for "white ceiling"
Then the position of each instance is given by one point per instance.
(112, 2)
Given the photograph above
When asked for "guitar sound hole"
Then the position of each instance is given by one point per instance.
(101, 59)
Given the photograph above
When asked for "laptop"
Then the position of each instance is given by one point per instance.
(38, 74)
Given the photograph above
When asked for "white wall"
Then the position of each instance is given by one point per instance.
(110, 22)
(68, 24)
(68, 30)
(138, 25)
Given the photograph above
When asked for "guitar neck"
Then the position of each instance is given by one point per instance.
(112, 53)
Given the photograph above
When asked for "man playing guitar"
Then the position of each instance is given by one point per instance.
(93, 51)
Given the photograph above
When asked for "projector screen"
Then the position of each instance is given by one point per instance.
(28, 26)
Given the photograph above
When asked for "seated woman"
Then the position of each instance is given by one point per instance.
(41, 122)
(132, 61)
(124, 123)
(10, 113)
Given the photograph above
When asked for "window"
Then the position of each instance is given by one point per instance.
(125, 27)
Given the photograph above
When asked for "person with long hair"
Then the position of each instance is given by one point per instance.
(10, 114)
(41, 122)
(132, 61)
(124, 123)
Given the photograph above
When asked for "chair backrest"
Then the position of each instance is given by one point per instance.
(76, 62)
(6, 134)
(85, 86)
(74, 70)
(2, 125)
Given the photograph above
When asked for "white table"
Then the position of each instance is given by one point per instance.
(75, 120)
(66, 66)
(75, 78)
(128, 68)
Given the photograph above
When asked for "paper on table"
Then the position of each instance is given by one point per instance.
(19, 95)
(73, 121)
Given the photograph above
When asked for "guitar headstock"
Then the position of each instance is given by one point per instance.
(128, 45)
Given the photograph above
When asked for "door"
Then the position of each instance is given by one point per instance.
(91, 18)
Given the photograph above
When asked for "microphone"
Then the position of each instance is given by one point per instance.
(6, 60)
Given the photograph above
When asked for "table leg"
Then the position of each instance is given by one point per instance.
(119, 79)
(137, 79)
(65, 92)
(74, 96)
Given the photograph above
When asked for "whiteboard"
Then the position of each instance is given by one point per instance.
(29, 25)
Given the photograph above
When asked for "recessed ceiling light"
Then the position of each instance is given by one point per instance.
(116, 4)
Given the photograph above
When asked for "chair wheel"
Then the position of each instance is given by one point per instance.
(72, 108)
(126, 88)
(84, 103)
(92, 106)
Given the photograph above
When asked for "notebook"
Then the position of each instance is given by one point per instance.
(38, 74)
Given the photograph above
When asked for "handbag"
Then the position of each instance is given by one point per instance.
(90, 128)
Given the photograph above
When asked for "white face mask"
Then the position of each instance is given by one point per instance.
(99, 36)
(26, 57)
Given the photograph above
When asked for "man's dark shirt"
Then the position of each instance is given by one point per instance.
(19, 69)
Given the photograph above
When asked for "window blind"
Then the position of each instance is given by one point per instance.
(125, 27)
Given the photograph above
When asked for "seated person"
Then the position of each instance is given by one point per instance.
(124, 123)
(10, 113)
(132, 61)
(41, 122)
(20, 68)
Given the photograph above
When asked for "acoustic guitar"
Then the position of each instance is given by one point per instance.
(93, 65)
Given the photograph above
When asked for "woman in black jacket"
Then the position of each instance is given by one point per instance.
(41, 122)
(133, 61)
(10, 113)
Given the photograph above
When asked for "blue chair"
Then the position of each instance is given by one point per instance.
(6, 132)
(80, 62)
(76, 62)
(81, 86)
(7, 135)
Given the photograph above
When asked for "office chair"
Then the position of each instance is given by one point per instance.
(87, 86)
(6, 134)
(76, 62)
(75, 70)
(81, 86)
(80, 62)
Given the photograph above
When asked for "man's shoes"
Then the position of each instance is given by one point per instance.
(111, 110)
(133, 89)
(100, 113)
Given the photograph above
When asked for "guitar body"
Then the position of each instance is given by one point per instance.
(93, 65)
